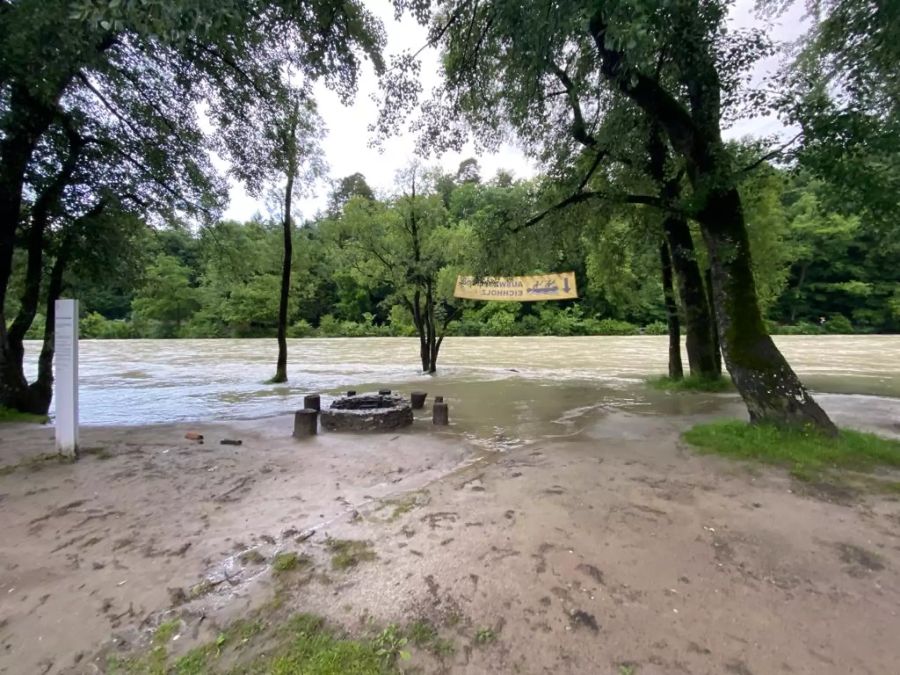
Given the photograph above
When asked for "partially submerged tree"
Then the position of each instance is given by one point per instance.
(408, 246)
(280, 152)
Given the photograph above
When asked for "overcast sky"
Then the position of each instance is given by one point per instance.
(346, 144)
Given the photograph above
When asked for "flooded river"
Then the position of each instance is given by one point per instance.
(497, 384)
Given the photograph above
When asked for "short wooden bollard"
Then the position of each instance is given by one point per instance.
(441, 413)
(438, 399)
(312, 402)
(417, 399)
(306, 423)
(384, 392)
(352, 392)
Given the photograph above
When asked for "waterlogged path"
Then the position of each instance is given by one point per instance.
(508, 381)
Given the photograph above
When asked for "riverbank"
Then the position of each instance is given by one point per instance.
(610, 545)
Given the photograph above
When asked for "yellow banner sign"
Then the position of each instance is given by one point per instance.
(518, 289)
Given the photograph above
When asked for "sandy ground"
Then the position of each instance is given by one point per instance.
(612, 546)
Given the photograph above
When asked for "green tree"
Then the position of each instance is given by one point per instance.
(166, 296)
(842, 89)
(409, 245)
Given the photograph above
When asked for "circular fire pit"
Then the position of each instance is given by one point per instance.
(367, 412)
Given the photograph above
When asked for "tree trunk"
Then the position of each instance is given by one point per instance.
(701, 348)
(290, 154)
(44, 209)
(281, 363)
(40, 392)
(27, 123)
(430, 330)
(676, 370)
(770, 388)
(713, 327)
(796, 291)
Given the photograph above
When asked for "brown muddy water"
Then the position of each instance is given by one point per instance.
(502, 388)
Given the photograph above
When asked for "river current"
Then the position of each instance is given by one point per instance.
(497, 383)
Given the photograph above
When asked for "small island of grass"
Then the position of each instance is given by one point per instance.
(7, 415)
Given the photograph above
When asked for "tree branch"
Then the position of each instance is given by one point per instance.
(579, 197)
(579, 129)
(769, 155)
(647, 93)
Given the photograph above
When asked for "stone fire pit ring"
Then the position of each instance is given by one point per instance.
(367, 412)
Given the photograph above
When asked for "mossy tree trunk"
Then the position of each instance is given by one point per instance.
(676, 369)
(767, 383)
(769, 387)
(700, 343)
(697, 316)
(707, 278)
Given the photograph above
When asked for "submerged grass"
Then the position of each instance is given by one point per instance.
(810, 455)
(691, 383)
(347, 553)
(9, 415)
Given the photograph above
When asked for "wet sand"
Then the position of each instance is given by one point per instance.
(606, 544)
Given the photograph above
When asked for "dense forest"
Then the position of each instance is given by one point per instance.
(819, 271)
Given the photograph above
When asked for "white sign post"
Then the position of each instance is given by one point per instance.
(66, 352)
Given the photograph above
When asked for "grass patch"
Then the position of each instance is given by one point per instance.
(485, 636)
(347, 553)
(153, 661)
(402, 506)
(287, 561)
(389, 645)
(166, 631)
(204, 587)
(252, 557)
(98, 452)
(36, 463)
(9, 415)
(424, 635)
(691, 383)
(809, 455)
(421, 632)
(302, 643)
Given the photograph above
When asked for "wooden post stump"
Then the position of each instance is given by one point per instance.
(441, 413)
(417, 399)
(312, 402)
(306, 423)
(384, 392)
(438, 399)
(352, 392)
